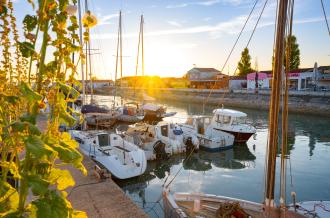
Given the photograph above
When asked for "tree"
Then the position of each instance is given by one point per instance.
(294, 53)
(244, 65)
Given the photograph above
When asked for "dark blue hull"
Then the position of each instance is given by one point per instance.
(215, 149)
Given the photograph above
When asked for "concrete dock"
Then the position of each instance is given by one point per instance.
(100, 198)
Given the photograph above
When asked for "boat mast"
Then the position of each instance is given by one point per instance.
(275, 103)
(121, 56)
(81, 62)
(88, 60)
(117, 55)
(140, 44)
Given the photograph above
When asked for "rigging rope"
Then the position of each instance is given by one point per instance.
(267, 150)
(252, 34)
(231, 51)
(254, 29)
(239, 35)
(325, 17)
(285, 86)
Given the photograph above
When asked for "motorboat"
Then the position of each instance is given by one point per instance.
(100, 116)
(130, 113)
(210, 138)
(232, 122)
(121, 158)
(153, 112)
(101, 120)
(160, 140)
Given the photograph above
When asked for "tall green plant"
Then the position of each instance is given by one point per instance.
(32, 156)
(294, 52)
(244, 65)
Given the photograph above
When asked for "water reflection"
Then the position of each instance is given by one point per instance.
(239, 157)
(240, 171)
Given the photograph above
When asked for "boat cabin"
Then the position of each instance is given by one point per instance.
(130, 109)
(200, 123)
(229, 117)
(168, 130)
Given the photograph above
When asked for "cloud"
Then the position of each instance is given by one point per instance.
(103, 20)
(178, 5)
(207, 3)
(230, 27)
(310, 20)
(202, 3)
(207, 18)
(174, 23)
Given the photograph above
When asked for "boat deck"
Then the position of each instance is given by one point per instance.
(209, 209)
(100, 198)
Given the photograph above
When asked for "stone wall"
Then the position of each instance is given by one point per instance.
(304, 102)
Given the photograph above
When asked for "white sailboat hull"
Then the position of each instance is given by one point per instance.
(122, 159)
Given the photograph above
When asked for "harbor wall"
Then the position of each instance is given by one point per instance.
(308, 102)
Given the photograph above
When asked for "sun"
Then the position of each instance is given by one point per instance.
(165, 60)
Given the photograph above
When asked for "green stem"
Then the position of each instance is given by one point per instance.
(23, 189)
(31, 58)
(43, 51)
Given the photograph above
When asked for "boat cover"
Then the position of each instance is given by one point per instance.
(151, 107)
(92, 108)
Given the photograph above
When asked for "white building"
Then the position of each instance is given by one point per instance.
(302, 79)
(237, 82)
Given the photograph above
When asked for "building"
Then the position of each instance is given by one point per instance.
(262, 80)
(317, 78)
(207, 78)
(322, 77)
(237, 82)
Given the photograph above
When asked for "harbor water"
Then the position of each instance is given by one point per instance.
(238, 172)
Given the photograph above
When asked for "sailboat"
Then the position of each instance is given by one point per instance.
(151, 112)
(208, 205)
(94, 114)
(129, 112)
(122, 159)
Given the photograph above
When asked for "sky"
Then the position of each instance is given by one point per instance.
(181, 34)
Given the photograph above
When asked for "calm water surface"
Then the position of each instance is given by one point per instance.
(239, 172)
